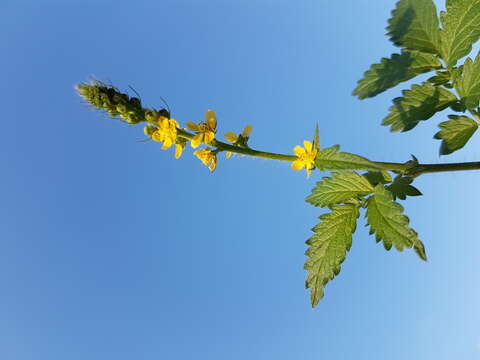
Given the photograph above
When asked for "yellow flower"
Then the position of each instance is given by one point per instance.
(305, 157)
(207, 157)
(205, 130)
(233, 138)
(166, 132)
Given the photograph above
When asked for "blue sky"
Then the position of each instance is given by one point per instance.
(112, 249)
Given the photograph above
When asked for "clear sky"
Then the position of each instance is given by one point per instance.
(112, 249)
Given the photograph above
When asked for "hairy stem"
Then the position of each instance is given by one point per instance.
(221, 146)
(408, 168)
(421, 169)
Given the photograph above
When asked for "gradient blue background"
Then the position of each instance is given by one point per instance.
(112, 249)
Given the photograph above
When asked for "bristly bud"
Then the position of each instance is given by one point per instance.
(151, 116)
(109, 99)
(149, 130)
(164, 113)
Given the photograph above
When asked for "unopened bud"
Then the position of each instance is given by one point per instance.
(149, 130)
(151, 116)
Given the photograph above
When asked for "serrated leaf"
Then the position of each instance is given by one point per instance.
(421, 102)
(414, 26)
(328, 248)
(468, 83)
(387, 222)
(332, 159)
(378, 177)
(391, 72)
(401, 188)
(440, 78)
(341, 187)
(455, 133)
(461, 29)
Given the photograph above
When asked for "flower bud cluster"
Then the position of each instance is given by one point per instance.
(109, 99)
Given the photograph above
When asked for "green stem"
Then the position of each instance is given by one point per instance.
(221, 146)
(408, 168)
(421, 169)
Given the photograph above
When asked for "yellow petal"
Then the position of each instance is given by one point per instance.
(228, 154)
(298, 150)
(208, 136)
(167, 143)
(297, 165)
(213, 164)
(163, 122)
(308, 146)
(174, 123)
(231, 136)
(178, 151)
(192, 126)
(197, 140)
(247, 130)
(157, 136)
(205, 160)
(161, 119)
(211, 119)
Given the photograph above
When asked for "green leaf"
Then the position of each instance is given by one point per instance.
(401, 188)
(414, 26)
(387, 222)
(458, 106)
(440, 78)
(455, 133)
(468, 83)
(332, 159)
(421, 102)
(461, 29)
(378, 177)
(393, 71)
(342, 186)
(419, 249)
(328, 248)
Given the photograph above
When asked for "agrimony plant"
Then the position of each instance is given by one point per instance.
(427, 43)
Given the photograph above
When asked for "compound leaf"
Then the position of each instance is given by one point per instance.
(391, 72)
(421, 102)
(341, 187)
(414, 26)
(455, 133)
(328, 248)
(378, 177)
(387, 222)
(461, 29)
(468, 83)
(401, 188)
(332, 159)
